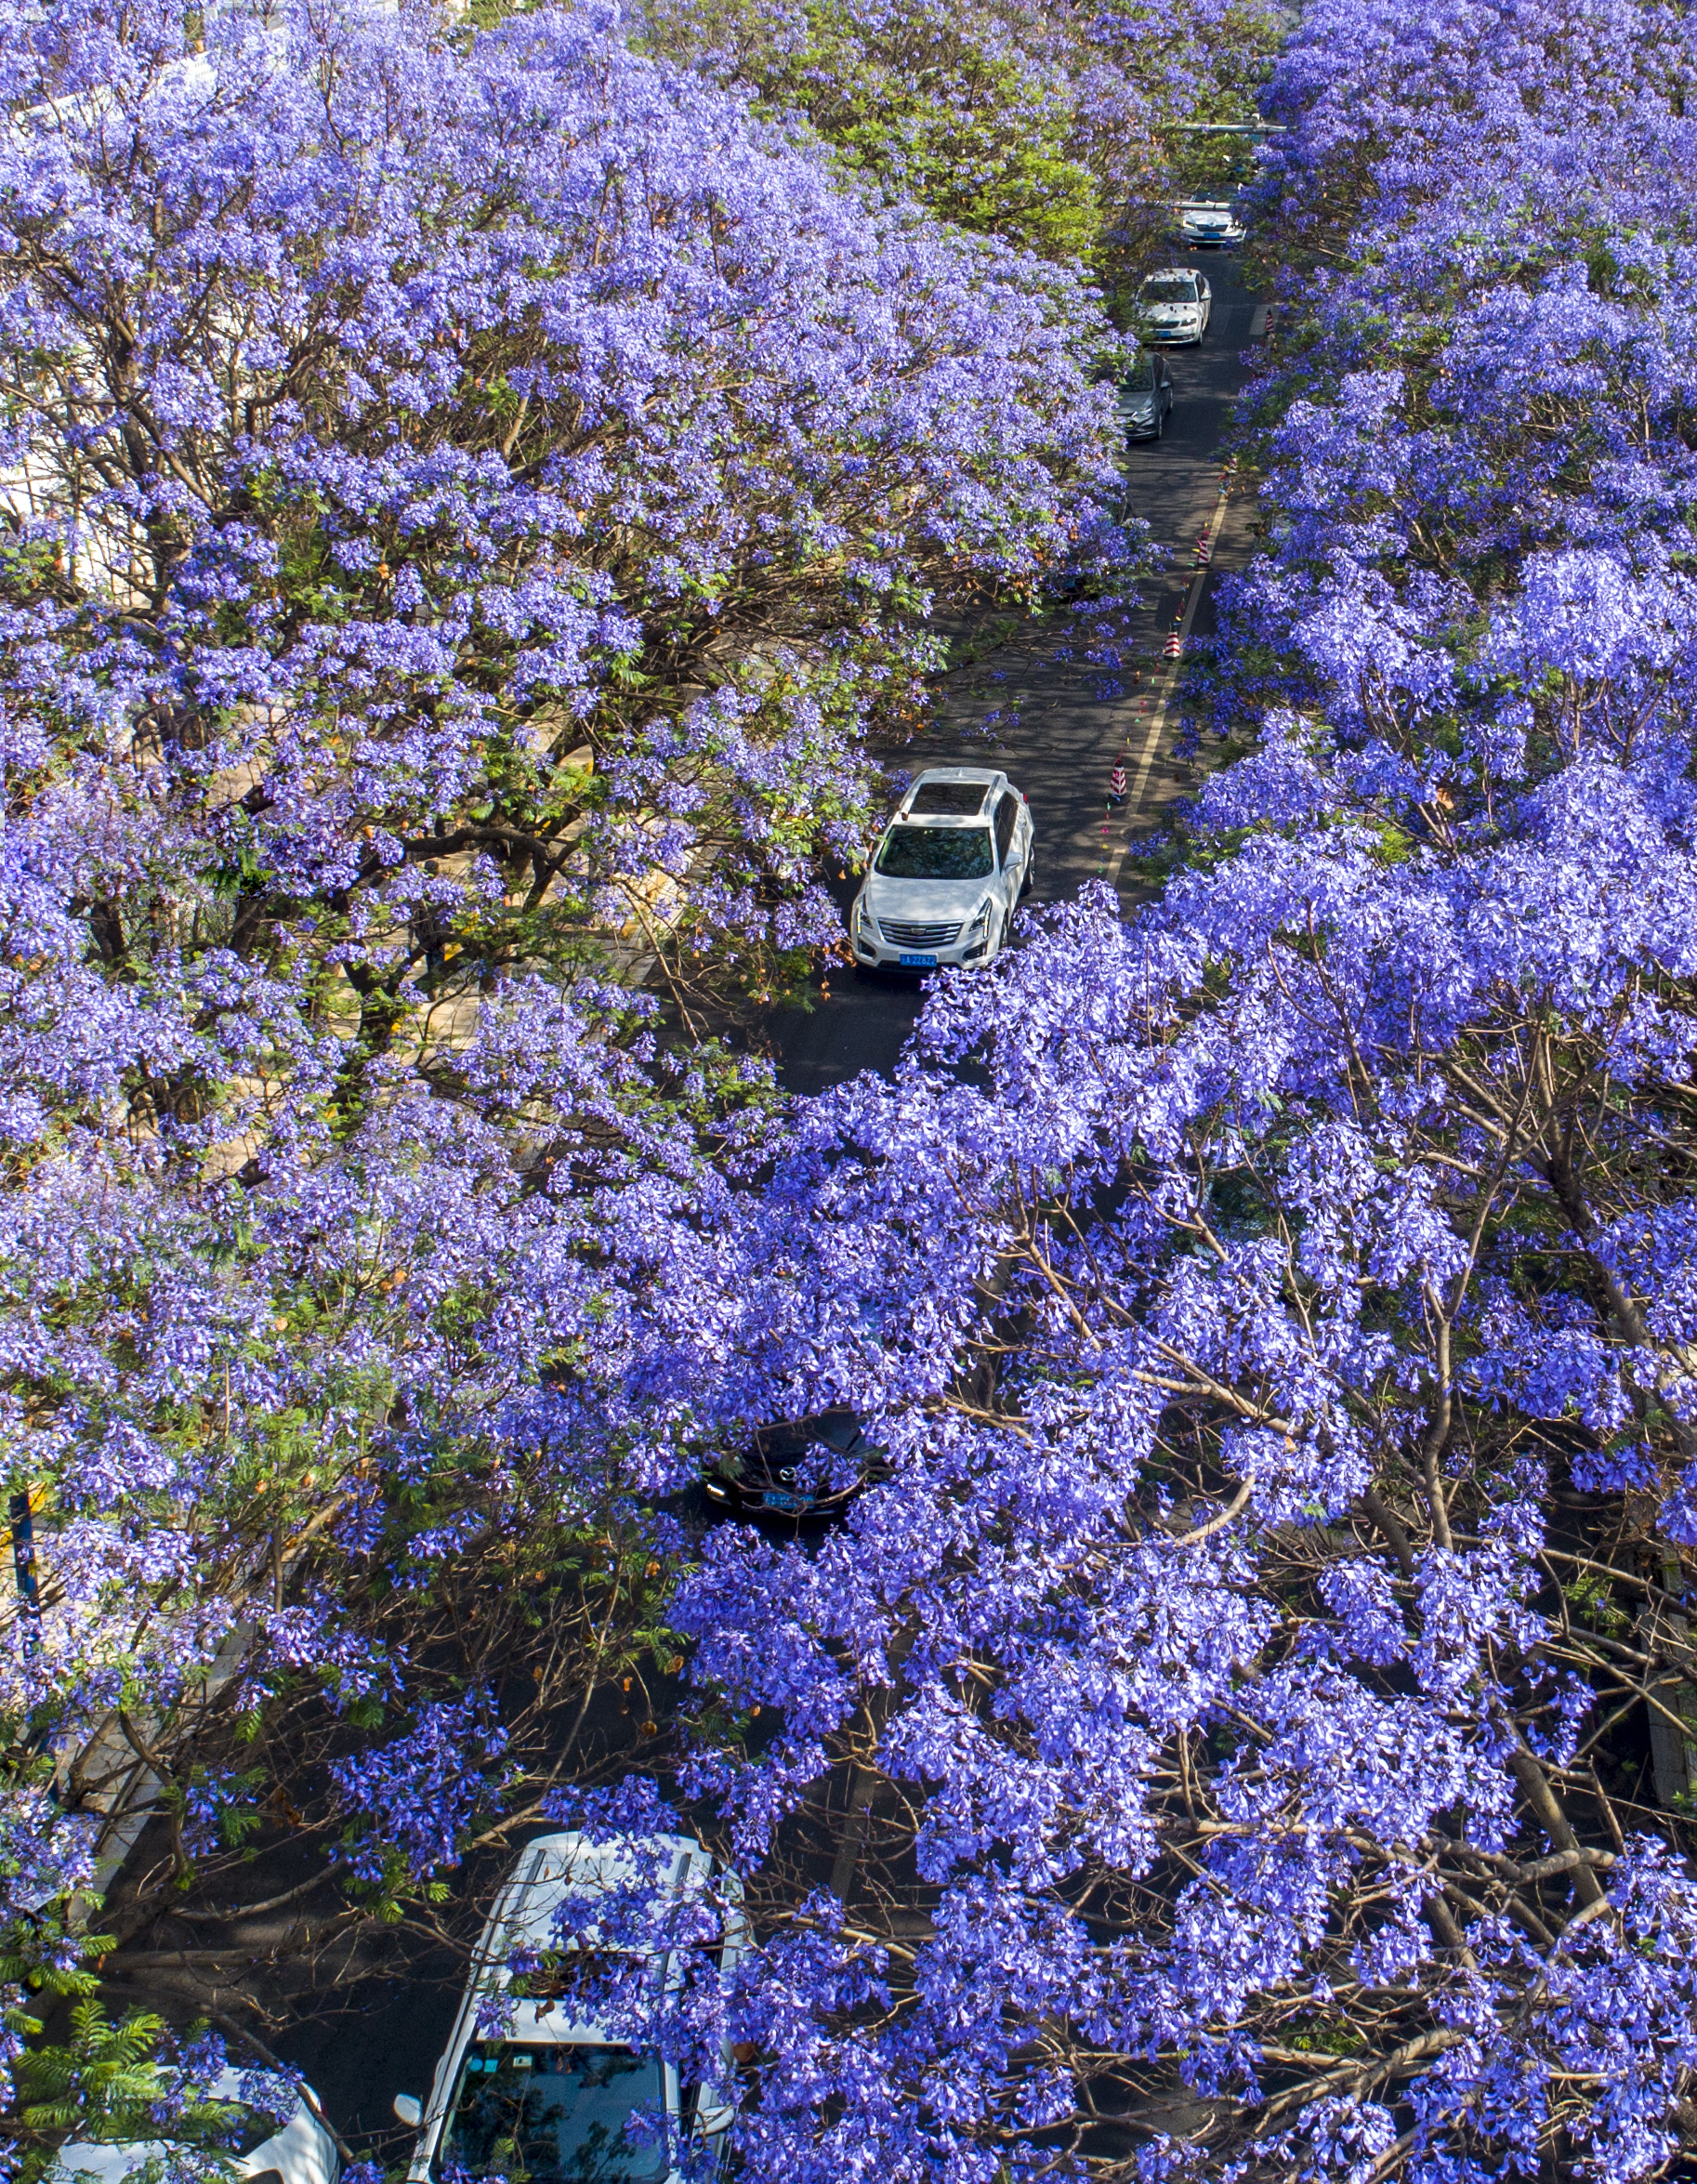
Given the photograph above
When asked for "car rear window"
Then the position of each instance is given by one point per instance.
(793, 1437)
(959, 799)
(251, 2128)
(936, 853)
(553, 2114)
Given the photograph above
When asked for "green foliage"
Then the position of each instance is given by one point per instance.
(123, 2084)
(102, 2082)
(1041, 128)
(1592, 1598)
(937, 114)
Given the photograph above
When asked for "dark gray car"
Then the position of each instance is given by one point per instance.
(797, 1468)
(1145, 398)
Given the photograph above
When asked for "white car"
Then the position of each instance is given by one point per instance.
(945, 880)
(548, 2099)
(1209, 223)
(301, 2151)
(1174, 305)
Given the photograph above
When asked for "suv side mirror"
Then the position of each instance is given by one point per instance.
(410, 2109)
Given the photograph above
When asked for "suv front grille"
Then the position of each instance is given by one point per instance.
(918, 936)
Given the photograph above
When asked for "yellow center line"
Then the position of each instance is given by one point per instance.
(1157, 722)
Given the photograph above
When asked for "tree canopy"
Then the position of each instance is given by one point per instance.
(471, 496)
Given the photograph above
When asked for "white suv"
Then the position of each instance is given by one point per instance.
(944, 881)
(546, 2100)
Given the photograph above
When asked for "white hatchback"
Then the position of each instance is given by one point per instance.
(549, 2098)
(945, 880)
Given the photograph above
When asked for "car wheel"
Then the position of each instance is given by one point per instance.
(1025, 884)
(1159, 424)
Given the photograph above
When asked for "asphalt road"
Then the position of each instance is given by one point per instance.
(1063, 742)
(368, 2017)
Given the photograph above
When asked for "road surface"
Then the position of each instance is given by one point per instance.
(1064, 743)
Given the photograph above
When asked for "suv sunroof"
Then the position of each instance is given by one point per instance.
(960, 798)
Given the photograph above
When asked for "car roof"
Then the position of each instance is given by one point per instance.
(784, 1434)
(985, 774)
(986, 778)
(549, 1869)
(553, 1867)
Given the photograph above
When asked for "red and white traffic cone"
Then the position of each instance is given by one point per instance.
(1116, 784)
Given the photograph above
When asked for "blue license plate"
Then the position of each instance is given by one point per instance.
(789, 1503)
(919, 963)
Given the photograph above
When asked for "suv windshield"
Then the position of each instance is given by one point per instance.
(1170, 288)
(553, 2115)
(936, 853)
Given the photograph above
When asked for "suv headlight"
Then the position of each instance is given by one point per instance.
(863, 928)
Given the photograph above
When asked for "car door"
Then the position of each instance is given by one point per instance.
(1163, 408)
(1207, 300)
(1007, 862)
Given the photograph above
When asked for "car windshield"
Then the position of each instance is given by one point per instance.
(553, 2114)
(1170, 288)
(936, 853)
(1141, 377)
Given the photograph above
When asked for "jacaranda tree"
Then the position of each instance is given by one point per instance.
(466, 499)
(1043, 126)
(1251, 1733)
